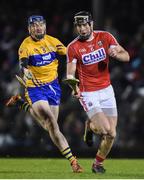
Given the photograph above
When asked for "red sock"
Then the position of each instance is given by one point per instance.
(99, 160)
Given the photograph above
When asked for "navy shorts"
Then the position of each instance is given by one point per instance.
(50, 92)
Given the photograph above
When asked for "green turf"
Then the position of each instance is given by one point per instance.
(60, 169)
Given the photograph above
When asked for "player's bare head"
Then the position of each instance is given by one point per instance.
(84, 24)
(37, 27)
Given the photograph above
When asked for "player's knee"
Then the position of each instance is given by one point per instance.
(112, 134)
(106, 129)
(109, 137)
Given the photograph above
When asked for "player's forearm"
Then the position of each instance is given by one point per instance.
(24, 68)
(71, 69)
(123, 56)
(23, 63)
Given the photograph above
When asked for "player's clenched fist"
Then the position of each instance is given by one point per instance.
(113, 52)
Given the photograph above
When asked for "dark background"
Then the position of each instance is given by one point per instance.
(19, 133)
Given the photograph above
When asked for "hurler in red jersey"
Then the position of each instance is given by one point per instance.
(92, 60)
(88, 57)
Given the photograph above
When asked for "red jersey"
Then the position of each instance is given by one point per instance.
(92, 60)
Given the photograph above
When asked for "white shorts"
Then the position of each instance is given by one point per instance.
(99, 101)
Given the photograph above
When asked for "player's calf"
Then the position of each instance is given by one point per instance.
(88, 134)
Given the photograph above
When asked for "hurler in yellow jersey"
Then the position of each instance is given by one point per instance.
(38, 63)
(42, 58)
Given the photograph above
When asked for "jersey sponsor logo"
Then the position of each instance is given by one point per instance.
(46, 57)
(94, 57)
(42, 60)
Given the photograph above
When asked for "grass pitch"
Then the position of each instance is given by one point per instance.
(60, 169)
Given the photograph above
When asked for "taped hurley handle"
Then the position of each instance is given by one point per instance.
(21, 81)
(72, 83)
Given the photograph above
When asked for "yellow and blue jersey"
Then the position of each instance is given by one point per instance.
(42, 56)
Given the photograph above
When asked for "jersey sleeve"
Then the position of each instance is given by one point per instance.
(111, 39)
(71, 54)
(60, 48)
(23, 51)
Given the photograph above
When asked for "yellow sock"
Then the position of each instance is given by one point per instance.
(68, 154)
(25, 106)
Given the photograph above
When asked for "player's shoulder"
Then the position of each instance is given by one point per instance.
(26, 41)
(103, 34)
(53, 40)
(73, 42)
(100, 32)
(50, 38)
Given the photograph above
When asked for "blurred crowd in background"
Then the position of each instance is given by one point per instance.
(125, 20)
